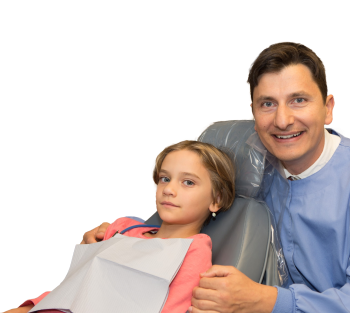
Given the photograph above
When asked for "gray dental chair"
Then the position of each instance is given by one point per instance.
(244, 235)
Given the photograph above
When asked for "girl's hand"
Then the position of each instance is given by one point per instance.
(23, 309)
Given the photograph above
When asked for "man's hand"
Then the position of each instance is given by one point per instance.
(225, 289)
(95, 234)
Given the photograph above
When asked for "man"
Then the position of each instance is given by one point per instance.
(290, 106)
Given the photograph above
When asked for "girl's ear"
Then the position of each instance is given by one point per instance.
(214, 207)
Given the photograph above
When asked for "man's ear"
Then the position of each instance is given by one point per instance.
(251, 116)
(329, 109)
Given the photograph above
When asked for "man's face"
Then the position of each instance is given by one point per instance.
(290, 115)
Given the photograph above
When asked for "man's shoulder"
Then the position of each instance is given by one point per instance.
(344, 141)
(340, 161)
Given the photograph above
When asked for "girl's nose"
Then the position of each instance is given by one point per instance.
(284, 117)
(170, 190)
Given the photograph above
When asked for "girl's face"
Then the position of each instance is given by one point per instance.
(184, 190)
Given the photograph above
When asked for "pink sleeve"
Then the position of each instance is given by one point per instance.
(36, 300)
(197, 260)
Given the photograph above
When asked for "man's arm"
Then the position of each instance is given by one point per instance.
(304, 299)
(95, 234)
(225, 289)
(23, 309)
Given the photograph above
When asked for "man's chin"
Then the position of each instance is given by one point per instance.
(287, 157)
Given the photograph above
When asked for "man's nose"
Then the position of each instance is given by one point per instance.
(284, 117)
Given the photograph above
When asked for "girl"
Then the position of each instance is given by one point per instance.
(195, 181)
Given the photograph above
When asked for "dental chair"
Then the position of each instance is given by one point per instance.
(244, 236)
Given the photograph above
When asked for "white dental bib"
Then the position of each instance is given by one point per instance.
(121, 274)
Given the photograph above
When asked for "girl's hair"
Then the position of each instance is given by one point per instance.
(218, 164)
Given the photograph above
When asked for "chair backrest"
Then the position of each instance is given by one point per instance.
(243, 236)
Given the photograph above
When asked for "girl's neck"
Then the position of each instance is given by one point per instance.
(175, 231)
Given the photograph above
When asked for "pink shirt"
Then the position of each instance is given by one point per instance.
(197, 260)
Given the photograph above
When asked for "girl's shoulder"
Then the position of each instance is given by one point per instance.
(201, 236)
(119, 225)
(126, 221)
(201, 240)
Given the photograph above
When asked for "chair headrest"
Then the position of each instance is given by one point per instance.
(231, 137)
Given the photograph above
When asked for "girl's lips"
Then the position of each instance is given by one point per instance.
(169, 204)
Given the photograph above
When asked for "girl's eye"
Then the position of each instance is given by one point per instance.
(164, 179)
(188, 183)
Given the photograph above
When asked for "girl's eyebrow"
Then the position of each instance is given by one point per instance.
(182, 173)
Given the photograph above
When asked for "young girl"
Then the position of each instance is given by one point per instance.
(195, 181)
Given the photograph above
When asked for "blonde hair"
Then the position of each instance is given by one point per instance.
(218, 164)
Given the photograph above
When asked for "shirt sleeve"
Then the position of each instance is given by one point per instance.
(300, 298)
(197, 260)
(36, 300)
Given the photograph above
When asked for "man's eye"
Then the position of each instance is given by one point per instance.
(299, 100)
(164, 179)
(188, 183)
(267, 104)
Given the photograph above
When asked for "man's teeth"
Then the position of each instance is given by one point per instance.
(289, 136)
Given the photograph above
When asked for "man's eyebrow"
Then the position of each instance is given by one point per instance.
(182, 173)
(299, 94)
(265, 98)
(292, 95)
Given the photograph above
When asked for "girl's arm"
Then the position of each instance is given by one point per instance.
(197, 260)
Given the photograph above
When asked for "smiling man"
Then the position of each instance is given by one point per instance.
(291, 106)
(290, 113)
(310, 199)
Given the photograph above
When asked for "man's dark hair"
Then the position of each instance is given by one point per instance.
(280, 55)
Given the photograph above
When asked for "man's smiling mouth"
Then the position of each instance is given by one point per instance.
(288, 136)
